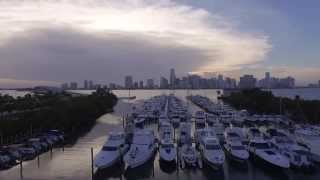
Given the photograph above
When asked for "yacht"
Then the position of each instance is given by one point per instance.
(201, 134)
(234, 146)
(218, 128)
(299, 156)
(261, 151)
(211, 119)
(200, 119)
(184, 133)
(212, 153)
(167, 151)
(310, 138)
(142, 149)
(189, 157)
(112, 150)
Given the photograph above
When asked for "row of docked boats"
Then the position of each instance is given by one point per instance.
(268, 138)
(11, 155)
(205, 139)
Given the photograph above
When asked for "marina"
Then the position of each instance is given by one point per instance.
(195, 152)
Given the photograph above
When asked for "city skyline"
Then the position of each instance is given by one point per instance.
(192, 82)
(92, 39)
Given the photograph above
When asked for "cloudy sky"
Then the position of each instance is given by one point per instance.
(54, 41)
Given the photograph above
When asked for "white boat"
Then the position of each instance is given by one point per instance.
(184, 133)
(189, 157)
(200, 119)
(201, 134)
(167, 151)
(211, 119)
(142, 148)
(212, 153)
(111, 152)
(299, 156)
(310, 138)
(218, 128)
(234, 146)
(261, 150)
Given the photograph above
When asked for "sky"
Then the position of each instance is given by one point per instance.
(53, 41)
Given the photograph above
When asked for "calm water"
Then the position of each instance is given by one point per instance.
(74, 162)
(304, 93)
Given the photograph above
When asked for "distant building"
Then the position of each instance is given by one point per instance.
(287, 82)
(128, 82)
(247, 81)
(112, 86)
(141, 85)
(86, 84)
(91, 85)
(64, 86)
(220, 81)
(73, 85)
(164, 83)
(172, 78)
(319, 83)
(135, 85)
(150, 84)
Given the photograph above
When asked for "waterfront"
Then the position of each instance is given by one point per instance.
(74, 161)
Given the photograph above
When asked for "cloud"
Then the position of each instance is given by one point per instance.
(63, 40)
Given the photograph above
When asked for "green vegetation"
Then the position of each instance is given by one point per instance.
(53, 111)
(264, 102)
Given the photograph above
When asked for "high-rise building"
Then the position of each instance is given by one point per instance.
(220, 81)
(141, 84)
(172, 78)
(64, 86)
(128, 82)
(247, 81)
(150, 83)
(287, 82)
(164, 83)
(91, 85)
(112, 86)
(86, 84)
(73, 85)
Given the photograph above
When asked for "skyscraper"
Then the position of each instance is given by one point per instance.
(172, 78)
(164, 83)
(128, 82)
(247, 81)
(150, 83)
(85, 84)
(91, 86)
(73, 85)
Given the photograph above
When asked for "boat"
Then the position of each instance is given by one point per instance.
(189, 157)
(200, 134)
(234, 147)
(299, 156)
(211, 119)
(310, 138)
(167, 151)
(200, 119)
(218, 128)
(184, 133)
(142, 149)
(261, 151)
(112, 151)
(212, 153)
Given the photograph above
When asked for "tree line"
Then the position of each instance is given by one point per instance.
(264, 102)
(54, 111)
